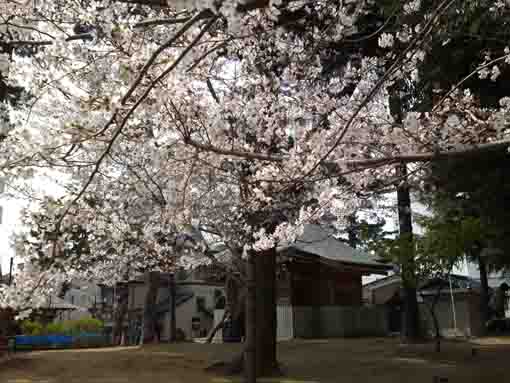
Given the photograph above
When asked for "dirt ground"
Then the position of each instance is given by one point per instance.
(381, 360)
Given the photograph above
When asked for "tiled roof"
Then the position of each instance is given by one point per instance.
(57, 303)
(319, 241)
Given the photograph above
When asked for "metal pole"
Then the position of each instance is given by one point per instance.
(10, 270)
(454, 314)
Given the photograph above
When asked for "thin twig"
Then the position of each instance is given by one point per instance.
(426, 30)
(156, 22)
(128, 115)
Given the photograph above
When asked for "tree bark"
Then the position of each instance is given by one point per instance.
(213, 332)
(265, 266)
(120, 313)
(259, 356)
(250, 360)
(172, 307)
(152, 282)
(411, 321)
(433, 314)
(484, 294)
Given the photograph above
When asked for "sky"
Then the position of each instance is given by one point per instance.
(43, 184)
(10, 218)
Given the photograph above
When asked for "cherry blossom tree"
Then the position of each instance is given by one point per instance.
(242, 117)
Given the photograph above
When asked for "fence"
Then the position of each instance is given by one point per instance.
(284, 323)
(340, 321)
(325, 322)
(35, 342)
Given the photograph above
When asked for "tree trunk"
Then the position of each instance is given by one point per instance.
(265, 272)
(213, 332)
(484, 295)
(259, 356)
(250, 360)
(172, 307)
(411, 328)
(120, 313)
(235, 304)
(436, 326)
(152, 282)
(433, 314)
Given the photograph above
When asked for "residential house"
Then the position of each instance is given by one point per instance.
(57, 309)
(84, 295)
(457, 307)
(386, 292)
(195, 302)
(494, 279)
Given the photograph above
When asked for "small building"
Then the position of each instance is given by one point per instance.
(195, 304)
(386, 293)
(84, 295)
(55, 309)
(457, 308)
(195, 301)
(319, 291)
(320, 279)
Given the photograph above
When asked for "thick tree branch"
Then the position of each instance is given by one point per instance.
(241, 7)
(233, 152)
(81, 36)
(430, 156)
(365, 163)
(156, 22)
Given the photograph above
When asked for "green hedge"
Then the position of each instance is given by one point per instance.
(69, 327)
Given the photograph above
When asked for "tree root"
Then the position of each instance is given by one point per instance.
(236, 367)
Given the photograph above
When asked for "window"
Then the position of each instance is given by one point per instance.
(200, 303)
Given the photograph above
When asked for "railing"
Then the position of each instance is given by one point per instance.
(38, 342)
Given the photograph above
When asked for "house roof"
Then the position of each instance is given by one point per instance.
(381, 282)
(458, 282)
(319, 241)
(56, 303)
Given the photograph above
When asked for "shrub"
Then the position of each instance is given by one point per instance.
(32, 328)
(55, 329)
(85, 325)
(69, 327)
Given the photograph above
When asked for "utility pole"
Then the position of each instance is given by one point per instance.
(10, 270)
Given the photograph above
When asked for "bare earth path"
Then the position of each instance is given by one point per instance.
(319, 361)
(115, 365)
